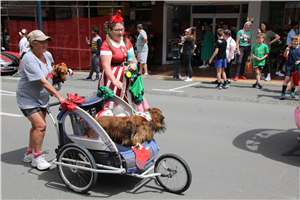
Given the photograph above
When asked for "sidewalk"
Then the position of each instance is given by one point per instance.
(206, 74)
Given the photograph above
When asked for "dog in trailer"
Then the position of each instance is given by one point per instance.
(131, 130)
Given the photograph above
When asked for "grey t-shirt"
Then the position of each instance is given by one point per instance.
(269, 35)
(139, 42)
(30, 93)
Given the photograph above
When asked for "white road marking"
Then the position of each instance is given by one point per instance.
(13, 78)
(12, 95)
(174, 89)
(7, 93)
(11, 115)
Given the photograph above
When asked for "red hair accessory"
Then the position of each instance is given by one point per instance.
(117, 18)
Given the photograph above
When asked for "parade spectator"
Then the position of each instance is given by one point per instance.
(243, 44)
(265, 28)
(2, 40)
(33, 92)
(149, 43)
(114, 52)
(23, 48)
(188, 52)
(142, 49)
(230, 52)
(95, 47)
(294, 27)
(207, 49)
(293, 55)
(221, 60)
(259, 52)
(6, 39)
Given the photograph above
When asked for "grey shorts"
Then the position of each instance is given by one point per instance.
(30, 111)
(142, 57)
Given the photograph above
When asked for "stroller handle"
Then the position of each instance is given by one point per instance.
(52, 104)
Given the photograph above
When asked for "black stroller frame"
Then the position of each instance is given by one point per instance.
(79, 159)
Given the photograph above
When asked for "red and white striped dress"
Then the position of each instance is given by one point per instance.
(119, 55)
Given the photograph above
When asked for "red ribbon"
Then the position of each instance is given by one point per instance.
(72, 102)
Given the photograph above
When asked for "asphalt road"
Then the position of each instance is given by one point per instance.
(240, 143)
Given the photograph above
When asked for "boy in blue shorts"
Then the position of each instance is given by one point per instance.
(293, 53)
(221, 60)
(259, 52)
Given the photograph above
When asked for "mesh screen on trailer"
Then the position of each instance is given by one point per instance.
(69, 38)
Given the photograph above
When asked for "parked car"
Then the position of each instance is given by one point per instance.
(9, 61)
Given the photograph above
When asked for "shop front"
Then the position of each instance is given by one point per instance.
(180, 17)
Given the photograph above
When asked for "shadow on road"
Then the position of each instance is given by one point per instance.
(106, 186)
(278, 145)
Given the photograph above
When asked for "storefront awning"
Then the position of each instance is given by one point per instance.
(205, 1)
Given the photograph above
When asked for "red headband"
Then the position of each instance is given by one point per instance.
(117, 18)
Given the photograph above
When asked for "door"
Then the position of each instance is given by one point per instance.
(227, 23)
(215, 21)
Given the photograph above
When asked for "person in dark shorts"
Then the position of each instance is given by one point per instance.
(33, 92)
(221, 59)
(292, 64)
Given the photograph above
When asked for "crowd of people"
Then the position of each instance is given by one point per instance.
(226, 49)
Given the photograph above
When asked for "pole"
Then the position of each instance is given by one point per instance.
(39, 12)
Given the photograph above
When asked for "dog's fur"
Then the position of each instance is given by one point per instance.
(60, 72)
(128, 131)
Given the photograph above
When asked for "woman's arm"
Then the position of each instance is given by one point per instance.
(238, 45)
(277, 37)
(49, 87)
(133, 65)
(106, 64)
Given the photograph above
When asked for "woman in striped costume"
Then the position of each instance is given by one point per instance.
(113, 53)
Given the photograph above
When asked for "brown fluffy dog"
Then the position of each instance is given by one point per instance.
(128, 131)
(60, 72)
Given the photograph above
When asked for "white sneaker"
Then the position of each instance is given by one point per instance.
(40, 163)
(28, 158)
(201, 66)
(17, 74)
(184, 78)
(268, 78)
(207, 65)
(146, 74)
(279, 73)
(188, 80)
(204, 66)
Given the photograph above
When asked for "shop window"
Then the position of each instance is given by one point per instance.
(177, 22)
(216, 9)
(282, 14)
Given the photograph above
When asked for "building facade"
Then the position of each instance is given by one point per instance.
(165, 20)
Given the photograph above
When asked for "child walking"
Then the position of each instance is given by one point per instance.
(293, 53)
(260, 52)
(221, 60)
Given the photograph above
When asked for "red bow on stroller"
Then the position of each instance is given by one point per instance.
(295, 76)
(70, 104)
